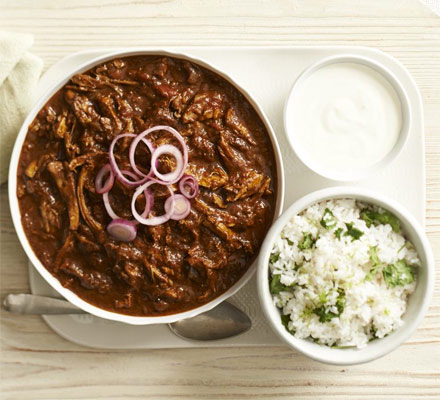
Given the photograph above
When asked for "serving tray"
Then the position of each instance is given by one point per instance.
(268, 74)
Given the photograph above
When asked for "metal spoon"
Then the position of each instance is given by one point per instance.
(221, 322)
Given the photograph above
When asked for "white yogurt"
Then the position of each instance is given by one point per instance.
(346, 116)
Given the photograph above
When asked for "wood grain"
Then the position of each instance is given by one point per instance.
(37, 364)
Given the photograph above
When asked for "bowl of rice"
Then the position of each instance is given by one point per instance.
(345, 275)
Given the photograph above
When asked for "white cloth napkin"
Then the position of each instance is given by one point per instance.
(19, 74)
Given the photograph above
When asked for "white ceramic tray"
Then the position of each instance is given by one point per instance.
(268, 74)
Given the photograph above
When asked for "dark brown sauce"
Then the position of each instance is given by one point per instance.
(169, 268)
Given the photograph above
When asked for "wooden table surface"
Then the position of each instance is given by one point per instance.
(38, 364)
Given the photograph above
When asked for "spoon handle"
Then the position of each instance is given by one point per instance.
(38, 305)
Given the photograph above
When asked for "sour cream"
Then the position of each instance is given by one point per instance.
(345, 116)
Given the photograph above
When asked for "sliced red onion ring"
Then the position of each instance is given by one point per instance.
(176, 134)
(132, 160)
(182, 207)
(151, 220)
(149, 200)
(108, 207)
(122, 229)
(115, 167)
(189, 181)
(171, 150)
(105, 187)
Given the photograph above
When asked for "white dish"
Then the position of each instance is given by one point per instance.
(418, 302)
(269, 73)
(351, 173)
(15, 211)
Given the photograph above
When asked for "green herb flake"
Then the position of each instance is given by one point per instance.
(306, 313)
(274, 257)
(323, 315)
(328, 220)
(398, 274)
(373, 332)
(355, 233)
(374, 258)
(372, 217)
(285, 319)
(340, 302)
(289, 242)
(307, 242)
(338, 233)
(326, 316)
(376, 263)
(322, 297)
(401, 247)
(276, 286)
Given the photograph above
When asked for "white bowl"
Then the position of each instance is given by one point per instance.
(15, 211)
(418, 302)
(350, 174)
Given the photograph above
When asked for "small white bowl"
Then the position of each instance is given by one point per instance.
(418, 302)
(16, 215)
(350, 174)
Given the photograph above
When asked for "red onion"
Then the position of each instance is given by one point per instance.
(170, 176)
(182, 207)
(175, 134)
(101, 187)
(152, 220)
(188, 180)
(132, 160)
(122, 229)
(149, 200)
(115, 167)
(108, 207)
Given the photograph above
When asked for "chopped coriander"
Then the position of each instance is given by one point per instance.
(322, 297)
(328, 220)
(355, 233)
(306, 313)
(373, 271)
(338, 233)
(401, 247)
(372, 217)
(373, 331)
(374, 258)
(289, 242)
(340, 302)
(326, 316)
(398, 274)
(274, 257)
(276, 286)
(376, 264)
(368, 217)
(323, 315)
(307, 242)
(285, 319)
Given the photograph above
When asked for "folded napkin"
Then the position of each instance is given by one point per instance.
(19, 74)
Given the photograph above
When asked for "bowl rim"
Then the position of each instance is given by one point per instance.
(323, 353)
(15, 210)
(406, 110)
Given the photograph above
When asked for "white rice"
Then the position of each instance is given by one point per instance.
(332, 268)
